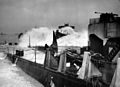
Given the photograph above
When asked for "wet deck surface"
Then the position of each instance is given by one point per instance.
(13, 76)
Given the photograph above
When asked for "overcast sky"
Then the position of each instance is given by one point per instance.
(21, 15)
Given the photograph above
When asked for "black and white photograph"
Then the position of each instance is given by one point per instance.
(59, 43)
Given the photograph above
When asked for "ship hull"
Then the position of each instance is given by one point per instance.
(48, 76)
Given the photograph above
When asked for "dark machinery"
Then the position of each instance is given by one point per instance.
(106, 17)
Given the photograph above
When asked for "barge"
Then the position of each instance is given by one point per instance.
(103, 49)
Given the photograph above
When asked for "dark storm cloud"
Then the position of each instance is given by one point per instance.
(18, 15)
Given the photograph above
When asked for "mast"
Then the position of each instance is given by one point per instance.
(29, 42)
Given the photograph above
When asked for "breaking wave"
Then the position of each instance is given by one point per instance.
(43, 35)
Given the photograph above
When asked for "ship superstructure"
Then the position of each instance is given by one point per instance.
(107, 26)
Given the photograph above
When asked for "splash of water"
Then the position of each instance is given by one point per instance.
(44, 35)
(76, 39)
(38, 36)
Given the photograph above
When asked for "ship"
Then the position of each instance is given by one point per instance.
(103, 49)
